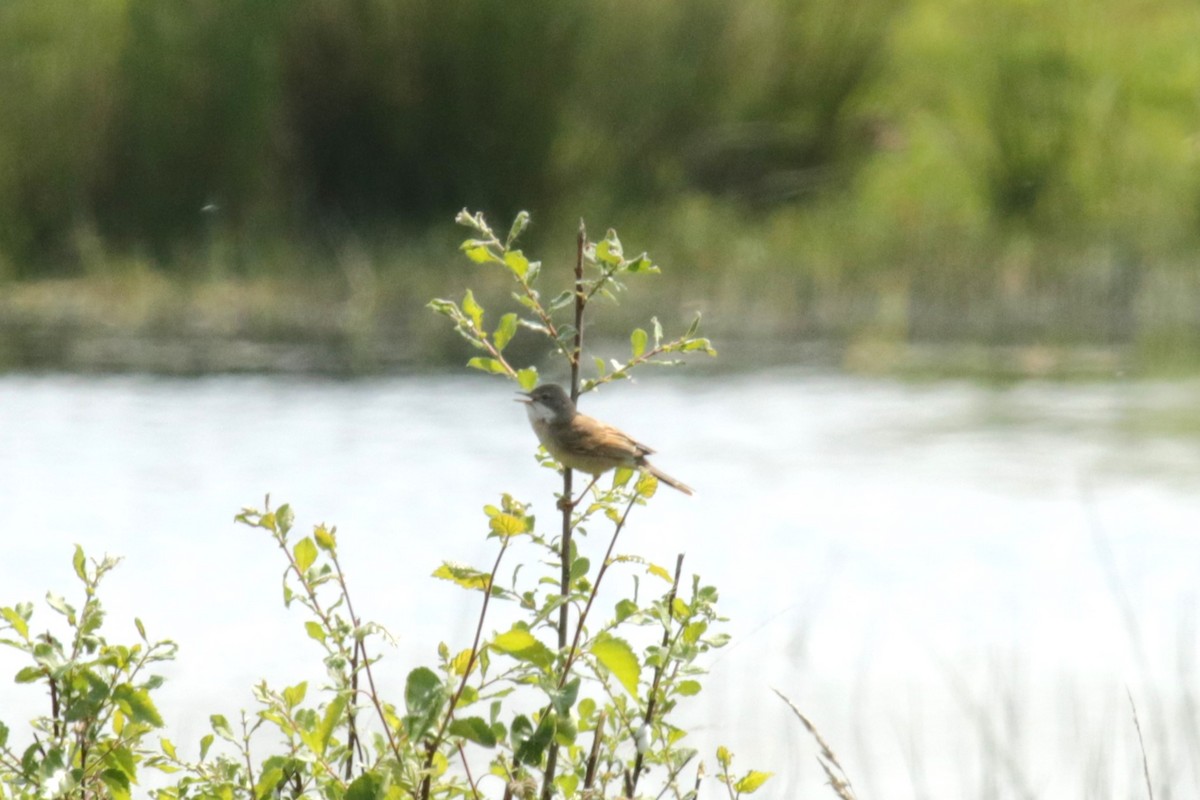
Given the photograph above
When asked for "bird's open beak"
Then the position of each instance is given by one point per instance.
(524, 398)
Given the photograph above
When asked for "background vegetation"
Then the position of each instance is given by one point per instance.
(1006, 172)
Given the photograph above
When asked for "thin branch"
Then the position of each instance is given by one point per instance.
(374, 695)
(246, 751)
(543, 316)
(462, 684)
(352, 734)
(568, 493)
(652, 703)
(467, 768)
(574, 651)
(1142, 744)
(589, 776)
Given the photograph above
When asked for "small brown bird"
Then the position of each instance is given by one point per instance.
(580, 442)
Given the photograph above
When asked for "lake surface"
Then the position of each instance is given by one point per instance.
(957, 583)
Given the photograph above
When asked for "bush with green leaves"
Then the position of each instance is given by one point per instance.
(566, 696)
(94, 735)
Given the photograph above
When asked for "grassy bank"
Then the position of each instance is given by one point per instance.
(779, 284)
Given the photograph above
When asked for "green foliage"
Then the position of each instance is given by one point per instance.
(606, 268)
(95, 734)
(628, 698)
(563, 698)
(748, 783)
(131, 116)
(1002, 172)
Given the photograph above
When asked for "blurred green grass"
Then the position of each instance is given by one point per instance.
(881, 175)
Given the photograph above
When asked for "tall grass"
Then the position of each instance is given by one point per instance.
(932, 169)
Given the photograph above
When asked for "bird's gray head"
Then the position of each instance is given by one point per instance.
(549, 402)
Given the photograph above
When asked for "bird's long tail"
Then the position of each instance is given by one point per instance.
(667, 479)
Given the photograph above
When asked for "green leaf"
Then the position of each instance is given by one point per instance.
(491, 365)
(504, 331)
(751, 781)
(284, 517)
(655, 569)
(657, 330)
(80, 564)
(523, 646)
(294, 695)
(365, 787)
(724, 757)
(168, 747)
(325, 539)
(121, 759)
(565, 731)
(568, 783)
(60, 605)
(477, 251)
(647, 485)
(520, 730)
(693, 632)
(695, 326)
(642, 264)
(520, 223)
(137, 705)
(530, 751)
(474, 729)
(268, 782)
(609, 251)
(625, 609)
(527, 378)
(679, 608)
(579, 568)
(333, 715)
(517, 262)
(305, 553)
(621, 476)
(446, 308)
(638, 340)
(18, 623)
(422, 691)
(205, 742)
(117, 783)
(688, 688)
(562, 300)
(220, 726)
(618, 658)
(461, 662)
(562, 699)
(508, 524)
(466, 577)
(473, 310)
(314, 630)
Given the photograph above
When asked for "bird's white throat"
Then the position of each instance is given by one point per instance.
(539, 413)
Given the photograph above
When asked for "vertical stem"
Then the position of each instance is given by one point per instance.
(576, 353)
(580, 302)
(652, 703)
(589, 777)
(568, 491)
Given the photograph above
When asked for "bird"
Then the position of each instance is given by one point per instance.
(580, 442)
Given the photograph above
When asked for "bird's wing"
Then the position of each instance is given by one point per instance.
(604, 440)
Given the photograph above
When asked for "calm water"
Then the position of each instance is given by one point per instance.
(957, 583)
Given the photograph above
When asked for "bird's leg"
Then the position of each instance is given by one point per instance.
(564, 504)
